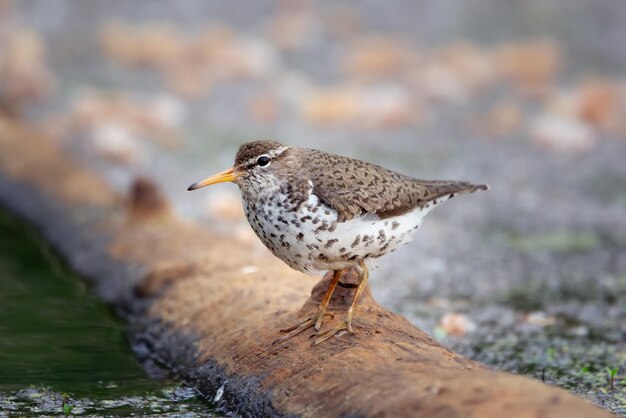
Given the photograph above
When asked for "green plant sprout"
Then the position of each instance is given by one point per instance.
(612, 372)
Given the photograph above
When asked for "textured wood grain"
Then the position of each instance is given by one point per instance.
(192, 306)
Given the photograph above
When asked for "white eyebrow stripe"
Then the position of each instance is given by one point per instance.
(277, 152)
(272, 154)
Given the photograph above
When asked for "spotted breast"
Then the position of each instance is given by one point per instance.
(312, 238)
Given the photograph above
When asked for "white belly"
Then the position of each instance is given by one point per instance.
(315, 242)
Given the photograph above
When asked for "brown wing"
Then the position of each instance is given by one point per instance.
(354, 187)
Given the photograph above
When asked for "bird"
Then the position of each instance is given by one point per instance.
(318, 212)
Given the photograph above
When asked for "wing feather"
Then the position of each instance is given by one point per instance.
(355, 188)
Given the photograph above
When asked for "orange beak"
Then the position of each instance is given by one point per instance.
(221, 177)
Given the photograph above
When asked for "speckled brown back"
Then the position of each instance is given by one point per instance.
(353, 187)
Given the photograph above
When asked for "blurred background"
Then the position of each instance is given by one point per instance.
(529, 97)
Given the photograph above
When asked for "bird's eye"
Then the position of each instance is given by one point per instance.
(263, 160)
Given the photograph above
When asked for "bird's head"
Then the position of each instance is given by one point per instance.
(260, 167)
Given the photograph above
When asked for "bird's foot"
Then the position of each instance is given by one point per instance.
(312, 321)
(345, 325)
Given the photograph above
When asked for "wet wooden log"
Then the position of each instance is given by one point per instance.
(208, 308)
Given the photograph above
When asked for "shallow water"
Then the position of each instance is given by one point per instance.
(62, 348)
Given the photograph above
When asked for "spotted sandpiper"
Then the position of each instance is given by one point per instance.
(318, 211)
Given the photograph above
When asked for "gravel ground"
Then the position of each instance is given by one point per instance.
(529, 277)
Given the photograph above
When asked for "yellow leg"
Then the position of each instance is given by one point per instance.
(346, 324)
(315, 320)
(329, 293)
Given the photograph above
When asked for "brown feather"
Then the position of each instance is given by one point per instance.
(354, 188)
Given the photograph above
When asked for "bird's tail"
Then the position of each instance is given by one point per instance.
(438, 189)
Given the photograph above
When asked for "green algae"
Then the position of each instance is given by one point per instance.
(62, 351)
(556, 242)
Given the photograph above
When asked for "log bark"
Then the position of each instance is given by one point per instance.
(208, 308)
